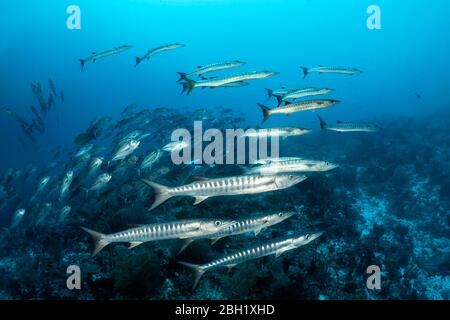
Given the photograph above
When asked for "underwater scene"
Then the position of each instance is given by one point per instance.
(224, 150)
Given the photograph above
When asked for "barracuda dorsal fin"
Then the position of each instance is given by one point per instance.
(134, 244)
(186, 243)
(200, 199)
(214, 240)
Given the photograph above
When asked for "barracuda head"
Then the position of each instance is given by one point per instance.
(279, 217)
(305, 239)
(326, 166)
(286, 181)
(216, 225)
(300, 131)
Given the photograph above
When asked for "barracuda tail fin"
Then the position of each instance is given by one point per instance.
(99, 240)
(269, 93)
(138, 61)
(188, 86)
(279, 99)
(161, 193)
(323, 124)
(83, 62)
(198, 271)
(305, 72)
(182, 76)
(266, 112)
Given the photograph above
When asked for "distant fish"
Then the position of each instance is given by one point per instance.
(348, 126)
(103, 54)
(151, 159)
(418, 96)
(272, 247)
(321, 69)
(129, 109)
(52, 87)
(276, 132)
(125, 150)
(294, 107)
(175, 146)
(61, 95)
(100, 183)
(181, 229)
(201, 70)
(189, 84)
(157, 50)
(230, 186)
(65, 185)
(51, 101)
(17, 218)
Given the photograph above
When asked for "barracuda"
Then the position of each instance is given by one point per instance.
(276, 132)
(292, 166)
(103, 54)
(201, 70)
(157, 50)
(290, 108)
(273, 247)
(181, 229)
(189, 84)
(238, 185)
(281, 92)
(303, 94)
(322, 69)
(349, 127)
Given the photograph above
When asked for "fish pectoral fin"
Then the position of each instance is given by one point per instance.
(134, 244)
(200, 199)
(230, 267)
(257, 231)
(214, 240)
(186, 243)
(279, 253)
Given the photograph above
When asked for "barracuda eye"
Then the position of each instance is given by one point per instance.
(217, 223)
(291, 177)
(280, 214)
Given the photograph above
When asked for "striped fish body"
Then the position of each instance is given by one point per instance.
(216, 67)
(303, 106)
(353, 127)
(335, 70)
(305, 94)
(292, 166)
(160, 49)
(237, 78)
(106, 53)
(277, 132)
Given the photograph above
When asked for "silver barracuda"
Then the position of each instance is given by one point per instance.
(273, 247)
(282, 91)
(231, 186)
(181, 229)
(272, 159)
(103, 54)
(157, 50)
(303, 94)
(253, 224)
(349, 126)
(283, 132)
(201, 70)
(189, 84)
(322, 69)
(290, 108)
(292, 166)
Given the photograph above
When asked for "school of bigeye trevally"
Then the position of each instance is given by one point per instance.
(91, 169)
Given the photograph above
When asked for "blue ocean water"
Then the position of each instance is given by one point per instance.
(386, 205)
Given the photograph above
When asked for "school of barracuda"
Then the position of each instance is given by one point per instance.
(140, 152)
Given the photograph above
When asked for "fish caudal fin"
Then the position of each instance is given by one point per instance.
(162, 193)
(188, 85)
(198, 271)
(138, 61)
(279, 99)
(182, 76)
(83, 62)
(266, 112)
(99, 240)
(269, 93)
(305, 72)
(323, 124)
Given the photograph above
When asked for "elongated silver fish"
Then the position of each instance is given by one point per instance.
(201, 70)
(253, 224)
(290, 108)
(181, 229)
(303, 94)
(276, 132)
(157, 50)
(273, 159)
(103, 54)
(322, 69)
(230, 186)
(273, 247)
(151, 159)
(189, 84)
(292, 166)
(349, 126)
(281, 92)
